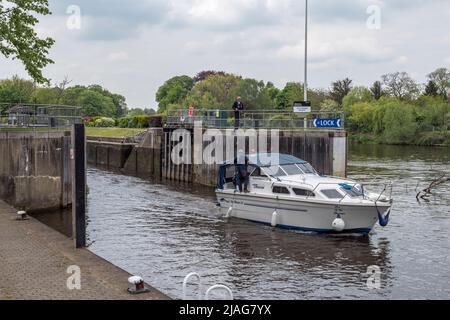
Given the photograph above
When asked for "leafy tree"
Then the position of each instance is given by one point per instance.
(206, 74)
(19, 40)
(255, 94)
(119, 101)
(431, 89)
(358, 94)
(45, 96)
(340, 89)
(94, 103)
(174, 91)
(433, 112)
(441, 78)
(400, 124)
(400, 85)
(377, 90)
(329, 105)
(136, 112)
(292, 92)
(16, 90)
(216, 92)
(361, 117)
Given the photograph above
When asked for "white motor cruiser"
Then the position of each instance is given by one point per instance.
(292, 195)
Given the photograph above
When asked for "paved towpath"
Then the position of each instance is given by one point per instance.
(34, 261)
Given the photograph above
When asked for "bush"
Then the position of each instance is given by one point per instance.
(140, 122)
(104, 122)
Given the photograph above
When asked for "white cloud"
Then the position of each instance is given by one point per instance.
(117, 56)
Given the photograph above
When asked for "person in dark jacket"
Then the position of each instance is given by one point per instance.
(238, 107)
(243, 177)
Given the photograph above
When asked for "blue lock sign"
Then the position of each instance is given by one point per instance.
(328, 123)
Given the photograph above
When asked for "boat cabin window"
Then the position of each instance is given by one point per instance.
(274, 171)
(303, 192)
(291, 169)
(281, 190)
(332, 194)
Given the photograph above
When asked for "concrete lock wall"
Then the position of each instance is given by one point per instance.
(35, 170)
(142, 158)
(152, 156)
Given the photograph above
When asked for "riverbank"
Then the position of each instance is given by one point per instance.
(35, 260)
(426, 139)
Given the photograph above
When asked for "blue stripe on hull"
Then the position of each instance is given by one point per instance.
(322, 231)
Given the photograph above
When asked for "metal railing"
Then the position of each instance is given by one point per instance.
(267, 119)
(36, 116)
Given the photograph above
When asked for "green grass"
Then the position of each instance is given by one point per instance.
(112, 132)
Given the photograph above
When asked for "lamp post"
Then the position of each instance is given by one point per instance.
(305, 85)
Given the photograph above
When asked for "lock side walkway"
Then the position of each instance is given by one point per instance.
(34, 260)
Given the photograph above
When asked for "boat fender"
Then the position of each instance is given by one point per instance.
(338, 224)
(274, 222)
(384, 220)
(229, 212)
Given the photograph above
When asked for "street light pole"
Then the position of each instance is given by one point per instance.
(306, 53)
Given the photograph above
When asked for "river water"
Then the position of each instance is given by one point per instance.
(164, 232)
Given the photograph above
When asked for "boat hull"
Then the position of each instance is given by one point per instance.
(308, 216)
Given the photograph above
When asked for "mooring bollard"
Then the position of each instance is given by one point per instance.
(22, 216)
(139, 285)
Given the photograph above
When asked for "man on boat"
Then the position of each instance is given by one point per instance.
(238, 107)
(242, 176)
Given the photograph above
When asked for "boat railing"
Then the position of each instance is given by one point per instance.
(386, 187)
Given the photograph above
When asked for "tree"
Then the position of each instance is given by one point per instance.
(206, 74)
(329, 105)
(136, 112)
(173, 92)
(340, 89)
(292, 92)
(216, 92)
(94, 103)
(119, 101)
(400, 85)
(255, 94)
(431, 89)
(377, 90)
(18, 39)
(400, 124)
(16, 90)
(441, 78)
(358, 94)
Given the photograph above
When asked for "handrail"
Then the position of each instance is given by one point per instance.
(273, 119)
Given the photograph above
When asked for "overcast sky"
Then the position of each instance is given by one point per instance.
(131, 47)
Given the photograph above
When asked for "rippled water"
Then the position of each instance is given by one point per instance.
(164, 232)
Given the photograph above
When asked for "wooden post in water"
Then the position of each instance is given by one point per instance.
(78, 157)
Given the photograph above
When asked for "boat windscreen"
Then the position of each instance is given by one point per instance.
(274, 171)
(306, 168)
(291, 169)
